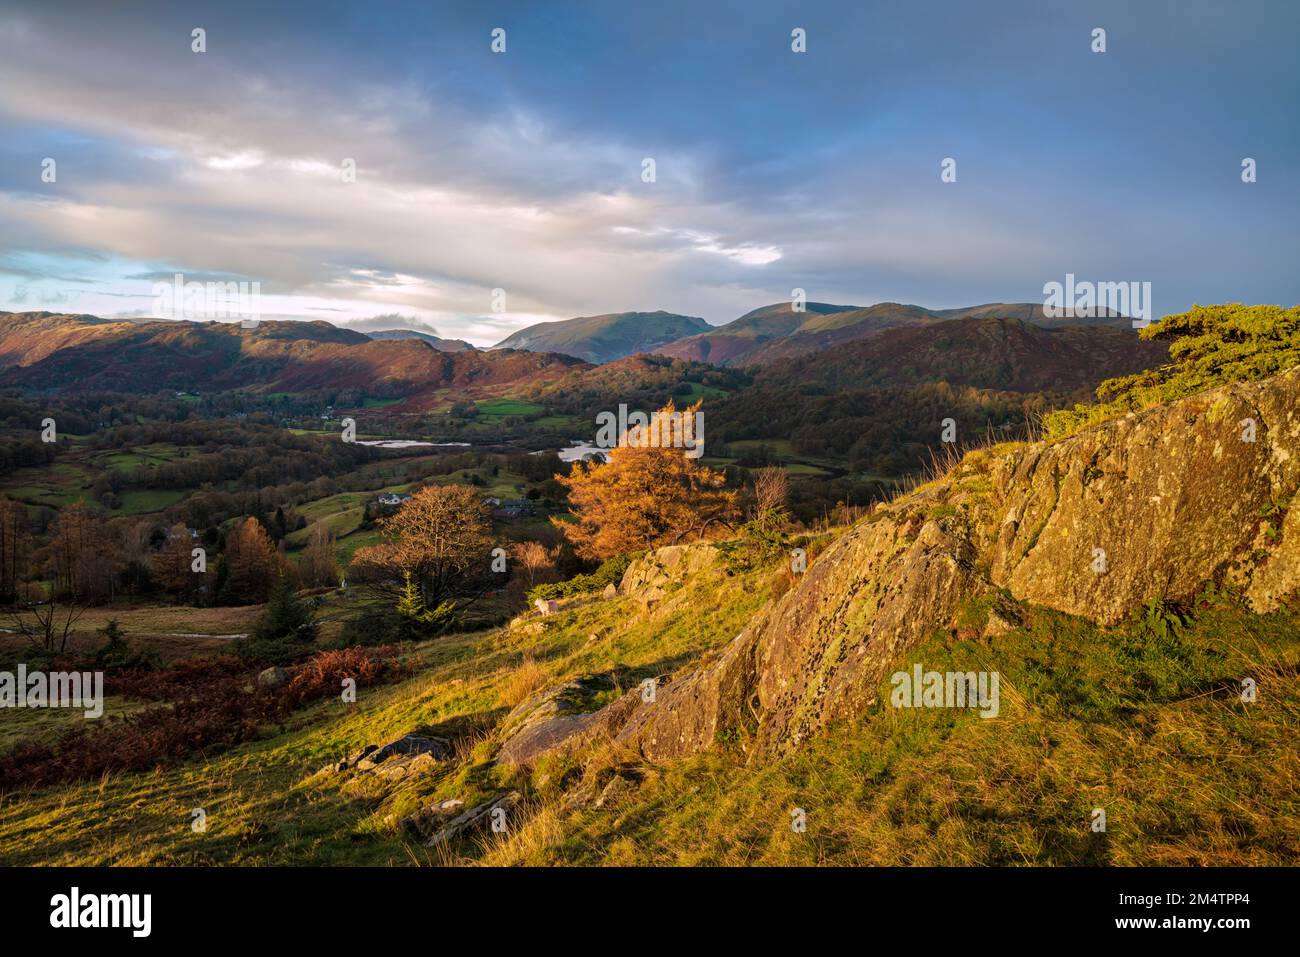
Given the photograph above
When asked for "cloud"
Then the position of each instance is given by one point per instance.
(521, 172)
(392, 320)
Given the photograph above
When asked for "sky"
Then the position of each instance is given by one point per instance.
(522, 171)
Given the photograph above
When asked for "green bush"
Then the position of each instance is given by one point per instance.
(1209, 346)
(610, 572)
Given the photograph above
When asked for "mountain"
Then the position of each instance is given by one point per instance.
(442, 345)
(725, 344)
(1037, 314)
(987, 353)
(605, 338)
(776, 334)
(50, 351)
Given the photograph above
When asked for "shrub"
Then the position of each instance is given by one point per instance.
(610, 572)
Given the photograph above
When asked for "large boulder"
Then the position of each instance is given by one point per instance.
(1145, 507)
(651, 579)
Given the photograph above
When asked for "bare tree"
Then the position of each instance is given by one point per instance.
(48, 629)
(533, 558)
(771, 490)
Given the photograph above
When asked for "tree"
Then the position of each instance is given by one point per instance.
(48, 630)
(318, 567)
(285, 617)
(83, 557)
(645, 495)
(1209, 346)
(414, 621)
(771, 490)
(534, 559)
(173, 565)
(442, 538)
(15, 544)
(252, 564)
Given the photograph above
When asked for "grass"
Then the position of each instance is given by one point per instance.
(1151, 730)
(503, 407)
(1143, 720)
(266, 801)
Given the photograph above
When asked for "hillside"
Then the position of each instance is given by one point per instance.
(1120, 690)
(987, 353)
(605, 338)
(730, 343)
(775, 335)
(442, 345)
(1036, 313)
(44, 351)
(1173, 497)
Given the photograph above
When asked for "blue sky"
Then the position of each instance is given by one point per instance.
(522, 171)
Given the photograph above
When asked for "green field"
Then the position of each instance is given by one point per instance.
(504, 407)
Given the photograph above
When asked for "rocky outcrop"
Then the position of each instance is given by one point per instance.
(652, 579)
(554, 721)
(1152, 505)
(408, 755)
(1145, 507)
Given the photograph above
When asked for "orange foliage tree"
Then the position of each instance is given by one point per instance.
(645, 495)
(251, 564)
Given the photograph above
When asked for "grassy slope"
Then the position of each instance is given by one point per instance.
(1148, 727)
(266, 803)
(1151, 730)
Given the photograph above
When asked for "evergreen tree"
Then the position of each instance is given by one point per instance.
(285, 618)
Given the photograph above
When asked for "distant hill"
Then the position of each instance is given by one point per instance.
(49, 351)
(777, 334)
(605, 338)
(1036, 313)
(983, 352)
(724, 345)
(442, 345)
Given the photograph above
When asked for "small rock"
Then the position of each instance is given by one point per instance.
(422, 823)
(273, 677)
(475, 819)
(409, 754)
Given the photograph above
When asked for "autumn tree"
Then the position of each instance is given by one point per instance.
(15, 547)
(647, 494)
(83, 558)
(173, 565)
(318, 567)
(442, 538)
(534, 560)
(251, 564)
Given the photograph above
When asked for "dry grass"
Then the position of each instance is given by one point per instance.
(523, 682)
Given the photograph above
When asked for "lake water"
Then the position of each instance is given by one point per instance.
(579, 451)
